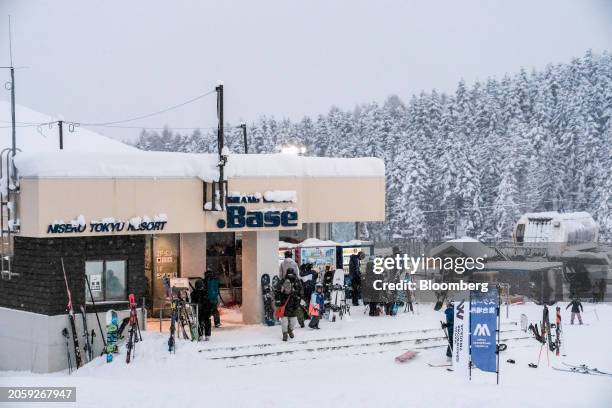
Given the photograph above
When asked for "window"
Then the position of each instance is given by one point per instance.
(107, 280)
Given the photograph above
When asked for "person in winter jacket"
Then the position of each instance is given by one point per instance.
(576, 309)
(355, 274)
(199, 295)
(212, 287)
(449, 312)
(316, 307)
(291, 295)
(287, 263)
(309, 278)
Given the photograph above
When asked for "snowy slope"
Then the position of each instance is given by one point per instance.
(362, 374)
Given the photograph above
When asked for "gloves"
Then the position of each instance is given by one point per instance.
(302, 303)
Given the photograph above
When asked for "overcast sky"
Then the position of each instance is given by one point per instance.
(98, 61)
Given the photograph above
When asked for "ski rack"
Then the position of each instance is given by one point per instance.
(9, 224)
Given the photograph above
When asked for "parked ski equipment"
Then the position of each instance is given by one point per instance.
(77, 351)
(586, 368)
(87, 348)
(111, 335)
(93, 304)
(134, 333)
(67, 337)
(558, 330)
(268, 300)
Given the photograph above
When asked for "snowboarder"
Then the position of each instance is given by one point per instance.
(200, 296)
(449, 312)
(576, 309)
(316, 307)
(355, 274)
(287, 263)
(291, 295)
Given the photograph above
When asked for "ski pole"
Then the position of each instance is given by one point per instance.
(93, 303)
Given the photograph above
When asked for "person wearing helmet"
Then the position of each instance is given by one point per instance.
(316, 307)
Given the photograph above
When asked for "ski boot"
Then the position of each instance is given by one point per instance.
(284, 336)
(291, 333)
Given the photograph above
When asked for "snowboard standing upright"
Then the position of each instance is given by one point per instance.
(88, 347)
(77, 351)
(337, 296)
(266, 292)
(112, 321)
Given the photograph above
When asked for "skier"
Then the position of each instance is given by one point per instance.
(409, 301)
(212, 288)
(355, 274)
(316, 307)
(199, 295)
(291, 294)
(576, 309)
(449, 312)
(287, 263)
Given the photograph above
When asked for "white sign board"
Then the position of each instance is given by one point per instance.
(461, 334)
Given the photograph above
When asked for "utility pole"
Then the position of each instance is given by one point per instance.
(244, 136)
(222, 156)
(60, 125)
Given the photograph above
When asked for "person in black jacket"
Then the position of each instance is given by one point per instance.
(576, 309)
(199, 295)
(355, 274)
(290, 295)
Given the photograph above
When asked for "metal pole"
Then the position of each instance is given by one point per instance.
(60, 124)
(14, 132)
(498, 331)
(220, 137)
(244, 137)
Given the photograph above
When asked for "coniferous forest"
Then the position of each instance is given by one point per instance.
(463, 163)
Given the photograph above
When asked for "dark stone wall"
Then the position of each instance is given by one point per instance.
(40, 286)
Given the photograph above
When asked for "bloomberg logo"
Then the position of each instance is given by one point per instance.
(239, 217)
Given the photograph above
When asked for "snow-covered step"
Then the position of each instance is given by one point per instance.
(289, 348)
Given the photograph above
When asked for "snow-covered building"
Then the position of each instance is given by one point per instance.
(125, 219)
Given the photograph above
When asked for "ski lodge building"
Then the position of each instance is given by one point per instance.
(126, 219)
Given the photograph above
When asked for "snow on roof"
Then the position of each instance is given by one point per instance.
(204, 166)
(88, 154)
(558, 216)
(314, 242)
(45, 138)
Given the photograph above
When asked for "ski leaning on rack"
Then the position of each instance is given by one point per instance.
(75, 339)
(67, 337)
(134, 332)
(87, 347)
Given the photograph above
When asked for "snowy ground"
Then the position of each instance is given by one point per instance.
(348, 363)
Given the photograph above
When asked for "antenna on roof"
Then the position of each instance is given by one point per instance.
(11, 86)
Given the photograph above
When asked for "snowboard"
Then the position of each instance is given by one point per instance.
(268, 300)
(409, 355)
(337, 295)
(275, 290)
(441, 297)
(111, 334)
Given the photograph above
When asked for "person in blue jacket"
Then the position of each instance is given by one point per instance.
(316, 307)
(449, 312)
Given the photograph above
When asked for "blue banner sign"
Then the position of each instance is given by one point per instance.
(483, 329)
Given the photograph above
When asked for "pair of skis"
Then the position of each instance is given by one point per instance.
(582, 369)
(134, 336)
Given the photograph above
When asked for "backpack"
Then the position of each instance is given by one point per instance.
(212, 290)
(287, 287)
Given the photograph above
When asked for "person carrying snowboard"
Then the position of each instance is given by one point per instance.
(291, 295)
(576, 309)
(316, 307)
(449, 312)
(199, 296)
